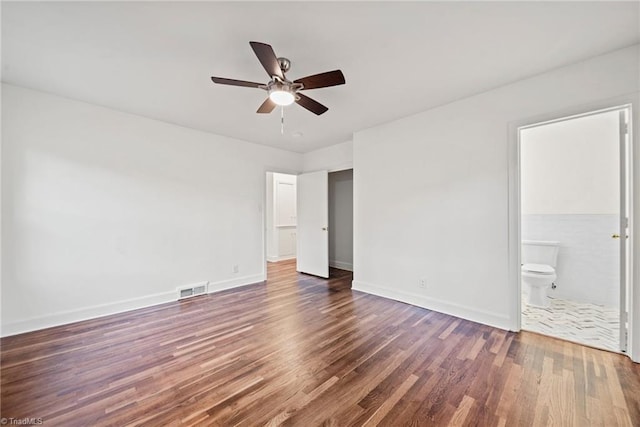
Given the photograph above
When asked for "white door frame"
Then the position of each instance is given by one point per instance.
(514, 214)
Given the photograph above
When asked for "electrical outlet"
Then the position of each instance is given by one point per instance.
(422, 283)
(236, 268)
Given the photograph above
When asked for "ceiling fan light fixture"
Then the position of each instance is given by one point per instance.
(282, 91)
(282, 97)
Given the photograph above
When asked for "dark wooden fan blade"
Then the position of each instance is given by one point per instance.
(267, 106)
(330, 78)
(310, 104)
(232, 82)
(267, 58)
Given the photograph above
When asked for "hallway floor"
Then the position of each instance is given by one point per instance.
(583, 323)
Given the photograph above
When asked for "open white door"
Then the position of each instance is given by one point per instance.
(313, 223)
(623, 233)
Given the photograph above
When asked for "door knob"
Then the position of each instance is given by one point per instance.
(617, 236)
(324, 228)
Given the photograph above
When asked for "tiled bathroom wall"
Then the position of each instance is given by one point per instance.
(588, 260)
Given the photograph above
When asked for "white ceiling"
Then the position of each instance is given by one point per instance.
(155, 59)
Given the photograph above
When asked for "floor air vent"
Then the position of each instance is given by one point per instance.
(193, 290)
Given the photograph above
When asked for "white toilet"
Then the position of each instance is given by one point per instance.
(538, 270)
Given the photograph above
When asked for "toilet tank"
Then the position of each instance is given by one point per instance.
(539, 252)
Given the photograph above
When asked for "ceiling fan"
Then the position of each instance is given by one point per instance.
(281, 90)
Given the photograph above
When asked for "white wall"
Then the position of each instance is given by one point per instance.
(571, 167)
(431, 191)
(104, 211)
(341, 219)
(333, 158)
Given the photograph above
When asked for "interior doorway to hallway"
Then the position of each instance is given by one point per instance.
(280, 217)
(321, 238)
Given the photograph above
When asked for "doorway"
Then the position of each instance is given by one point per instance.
(325, 222)
(341, 219)
(574, 190)
(280, 217)
(309, 222)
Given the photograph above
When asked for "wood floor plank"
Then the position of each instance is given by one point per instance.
(305, 351)
(384, 408)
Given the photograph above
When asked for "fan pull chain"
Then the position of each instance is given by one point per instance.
(282, 120)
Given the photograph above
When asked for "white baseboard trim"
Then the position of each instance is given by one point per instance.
(280, 258)
(341, 265)
(453, 309)
(93, 312)
(72, 316)
(234, 283)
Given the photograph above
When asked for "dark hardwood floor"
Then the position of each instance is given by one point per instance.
(306, 351)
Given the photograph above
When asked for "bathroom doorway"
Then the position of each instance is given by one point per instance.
(573, 188)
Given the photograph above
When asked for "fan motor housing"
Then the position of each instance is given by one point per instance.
(285, 64)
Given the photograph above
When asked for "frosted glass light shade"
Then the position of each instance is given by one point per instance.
(282, 97)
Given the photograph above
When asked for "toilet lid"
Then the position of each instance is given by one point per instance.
(538, 268)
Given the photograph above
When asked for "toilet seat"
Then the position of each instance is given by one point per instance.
(541, 269)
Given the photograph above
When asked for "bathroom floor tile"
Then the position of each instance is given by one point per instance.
(584, 323)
